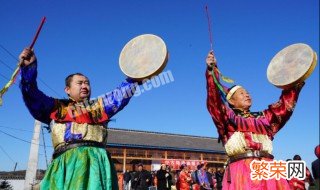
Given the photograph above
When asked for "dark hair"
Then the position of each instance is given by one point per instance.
(200, 166)
(183, 166)
(296, 157)
(69, 78)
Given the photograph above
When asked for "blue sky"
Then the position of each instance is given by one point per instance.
(88, 36)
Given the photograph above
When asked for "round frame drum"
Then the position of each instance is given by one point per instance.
(291, 65)
(143, 57)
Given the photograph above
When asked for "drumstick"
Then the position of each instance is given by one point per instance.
(34, 39)
(209, 26)
(15, 73)
(38, 32)
(224, 78)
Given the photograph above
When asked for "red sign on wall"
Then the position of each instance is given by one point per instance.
(176, 163)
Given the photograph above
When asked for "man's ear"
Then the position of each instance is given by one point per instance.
(67, 90)
(231, 101)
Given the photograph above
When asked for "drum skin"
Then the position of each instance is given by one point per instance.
(143, 57)
(291, 65)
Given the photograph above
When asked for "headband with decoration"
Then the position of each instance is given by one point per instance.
(232, 90)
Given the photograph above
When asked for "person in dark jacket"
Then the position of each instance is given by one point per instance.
(126, 179)
(219, 177)
(315, 166)
(164, 178)
(210, 175)
(142, 179)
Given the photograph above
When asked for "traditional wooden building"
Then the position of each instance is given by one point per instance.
(130, 147)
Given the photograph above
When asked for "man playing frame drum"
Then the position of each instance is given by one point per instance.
(79, 128)
(246, 135)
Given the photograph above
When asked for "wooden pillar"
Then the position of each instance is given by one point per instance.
(124, 159)
(201, 157)
(184, 156)
(165, 155)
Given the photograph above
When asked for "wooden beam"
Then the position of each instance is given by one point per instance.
(124, 159)
(143, 158)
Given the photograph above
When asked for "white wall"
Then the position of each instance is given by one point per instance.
(16, 184)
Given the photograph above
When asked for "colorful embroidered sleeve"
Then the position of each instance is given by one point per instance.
(216, 106)
(39, 104)
(117, 99)
(279, 113)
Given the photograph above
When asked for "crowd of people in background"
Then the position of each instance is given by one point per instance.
(309, 182)
(200, 179)
(164, 179)
(296, 184)
(203, 177)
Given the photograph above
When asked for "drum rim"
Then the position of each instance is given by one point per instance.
(302, 77)
(158, 70)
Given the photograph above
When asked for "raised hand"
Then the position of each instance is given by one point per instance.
(211, 60)
(27, 57)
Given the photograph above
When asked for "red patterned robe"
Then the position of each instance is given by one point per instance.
(242, 131)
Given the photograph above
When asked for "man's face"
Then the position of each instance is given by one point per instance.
(163, 166)
(185, 169)
(140, 168)
(204, 167)
(79, 88)
(241, 99)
